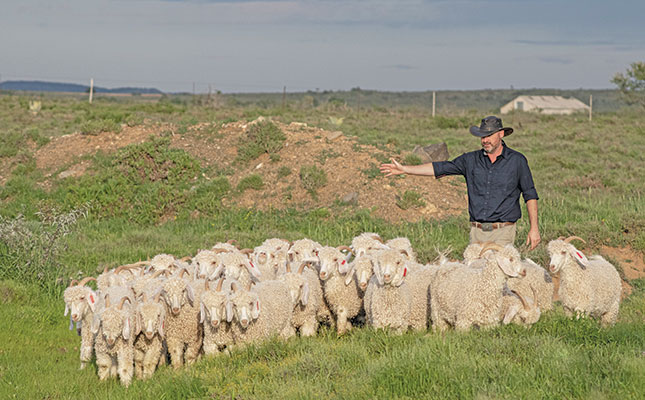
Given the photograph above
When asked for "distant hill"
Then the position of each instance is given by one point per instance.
(41, 86)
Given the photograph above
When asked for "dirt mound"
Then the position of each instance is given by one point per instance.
(351, 169)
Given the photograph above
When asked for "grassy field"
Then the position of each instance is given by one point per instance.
(588, 175)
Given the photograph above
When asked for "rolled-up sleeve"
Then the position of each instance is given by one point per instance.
(526, 181)
(454, 167)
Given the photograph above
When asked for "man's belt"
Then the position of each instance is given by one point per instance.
(489, 226)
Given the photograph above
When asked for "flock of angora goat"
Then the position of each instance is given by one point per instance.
(223, 298)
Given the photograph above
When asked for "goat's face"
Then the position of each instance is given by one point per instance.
(246, 307)
(176, 292)
(151, 319)
(79, 301)
(213, 308)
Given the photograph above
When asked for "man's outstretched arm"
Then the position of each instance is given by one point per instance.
(395, 168)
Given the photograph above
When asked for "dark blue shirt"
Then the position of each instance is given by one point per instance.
(493, 188)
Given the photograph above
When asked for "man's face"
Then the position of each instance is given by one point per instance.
(492, 142)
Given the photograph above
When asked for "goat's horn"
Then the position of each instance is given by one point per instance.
(560, 237)
(187, 258)
(107, 300)
(217, 251)
(206, 287)
(489, 246)
(246, 251)
(219, 285)
(123, 301)
(85, 280)
(377, 238)
(105, 269)
(570, 238)
(144, 297)
(289, 267)
(121, 268)
(233, 287)
(341, 248)
(524, 303)
(302, 267)
(73, 282)
(157, 297)
(248, 287)
(231, 241)
(160, 272)
(403, 251)
(181, 274)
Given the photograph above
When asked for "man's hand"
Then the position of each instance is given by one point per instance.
(392, 169)
(533, 238)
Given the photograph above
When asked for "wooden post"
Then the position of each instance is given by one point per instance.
(590, 106)
(284, 96)
(91, 89)
(434, 101)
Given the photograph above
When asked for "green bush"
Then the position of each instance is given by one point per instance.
(412, 159)
(283, 172)
(262, 137)
(410, 199)
(142, 182)
(253, 181)
(312, 178)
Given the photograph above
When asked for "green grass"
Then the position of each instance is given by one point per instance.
(151, 198)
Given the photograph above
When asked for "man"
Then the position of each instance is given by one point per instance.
(495, 176)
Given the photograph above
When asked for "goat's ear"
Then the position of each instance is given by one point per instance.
(350, 276)
(255, 312)
(577, 255)
(229, 311)
(304, 295)
(126, 328)
(505, 264)
(378, 273)
(510, 313)
(253, 270)
(91, 300)
(190, 294)
(96, 324)
(162, 323)
(66, 310)
(202, 315)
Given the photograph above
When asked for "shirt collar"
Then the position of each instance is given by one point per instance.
(504, 150)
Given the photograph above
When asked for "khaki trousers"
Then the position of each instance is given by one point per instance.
(502, 236)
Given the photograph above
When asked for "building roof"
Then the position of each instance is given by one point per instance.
(546, 103)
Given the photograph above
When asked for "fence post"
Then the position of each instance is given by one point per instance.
(590, 105)
(91, 89)
(434, 101)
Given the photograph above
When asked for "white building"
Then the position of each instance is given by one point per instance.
(545, 105)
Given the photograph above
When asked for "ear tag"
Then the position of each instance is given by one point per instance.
(580, 257)
(405, 272)
(92, 299)
(257, 305)
(343, 263)
(252, 266)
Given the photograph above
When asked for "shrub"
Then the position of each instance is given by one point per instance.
(312, 178)
(262, 137)
(410, 199)
(253, 181)
(30, 250)
(412, 159)
(283, 172)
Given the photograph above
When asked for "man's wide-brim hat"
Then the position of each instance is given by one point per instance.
(489, 126)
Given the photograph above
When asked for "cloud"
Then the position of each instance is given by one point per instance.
(556, 60)
(402, 67)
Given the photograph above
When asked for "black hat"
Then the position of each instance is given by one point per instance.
(489, 126)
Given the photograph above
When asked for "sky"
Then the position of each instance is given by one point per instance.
(266, 45)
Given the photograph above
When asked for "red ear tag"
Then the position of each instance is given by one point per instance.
(257, 305)
(92, 299)
(251, 264)
(405, 272)
(343, 263)
(579, 255)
